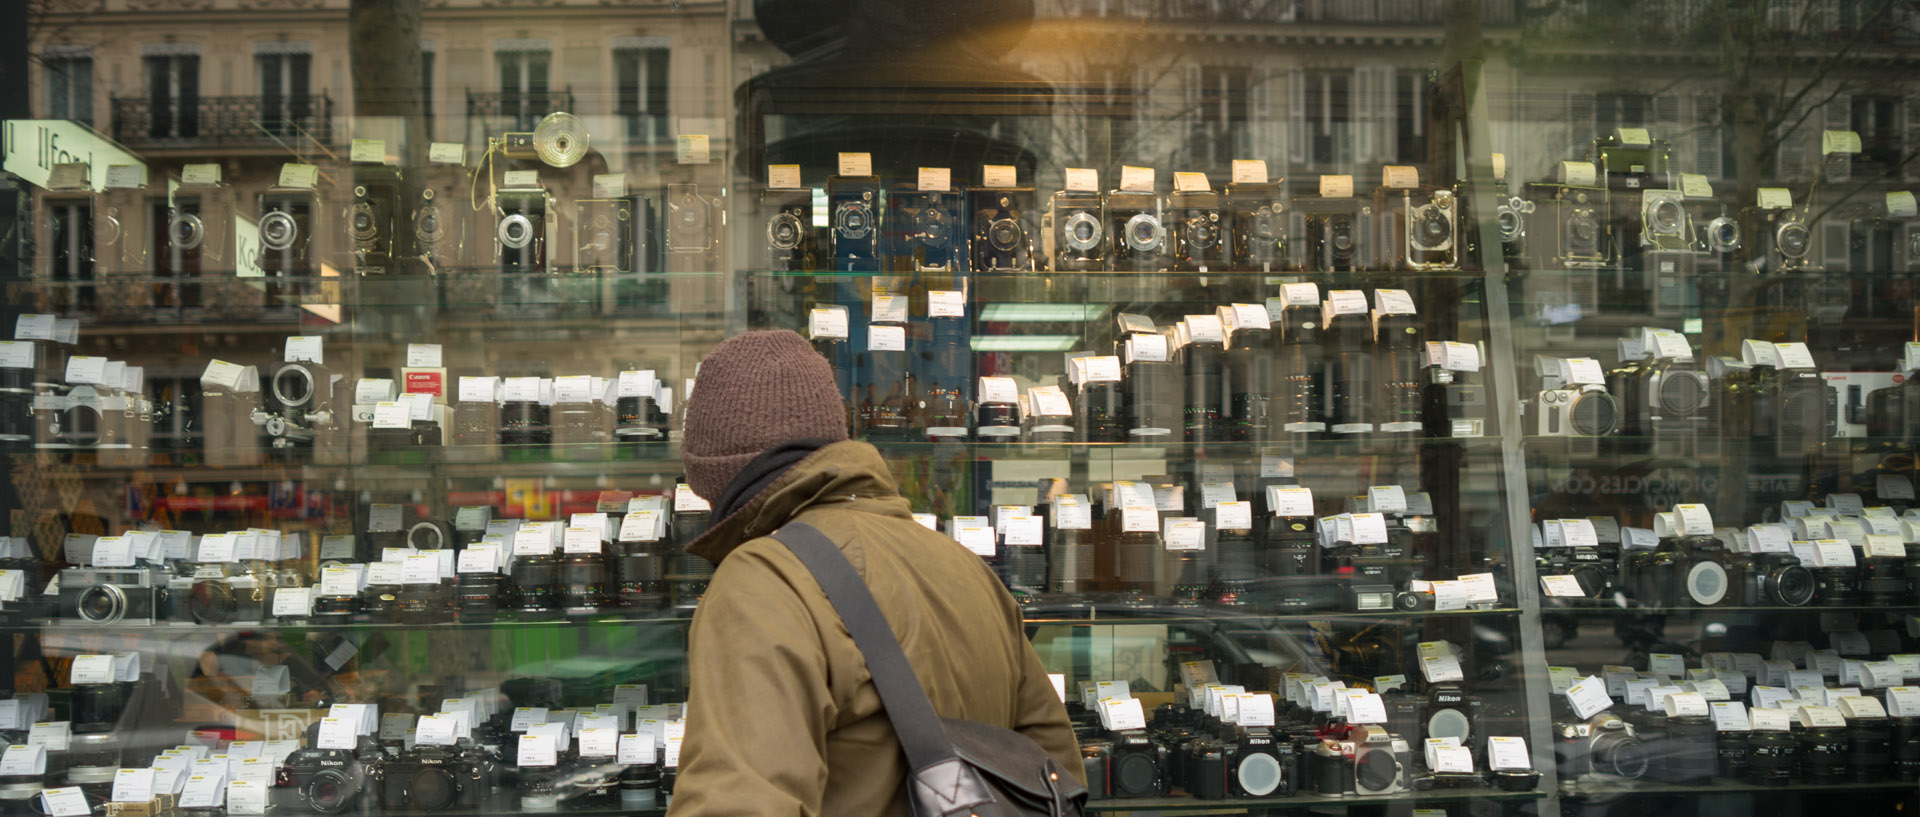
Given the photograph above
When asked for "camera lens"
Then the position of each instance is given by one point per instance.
(186, 232)
(932, 225)
(1004, 234)
(1771, 757)
(1869, 749)
(525, 422)
(1823, 754)
(1836, 586)
(583, 582)
(1723, 235)
(1689, 756)
(1734, 754)
(1509, 222)
(106, 229)
(1680, 394)
(278, 230)
(533, 579)
(853, 219)
(1202, 233)
(363, 226)
(784, 231)
(1666, 216)
(102, 604)
(1619, 754)
(1906, 748)
(515, 232)
(1791, 585)
(1143, 232)
(328, 792)
(1582, 228)
(1792, 239)
(97, 708)
(1083, 231)
(1433, 228)
(477, 596)
(1340, 235)
(426, 224)
(293, 385)
(1594, 414)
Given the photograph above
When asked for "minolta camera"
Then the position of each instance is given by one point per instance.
(436, 778)
(1257, 218)
(299, 398)
(109, 595)
(1602, 746)
(1078, 229)
(1664, 221)
(523, 220)
(853, 221)
(693, 229)
(791, 242)
(1200, 235)
(1003, 231)
(371, 221)
(287, 229)
(925, 230)
(1138, 237)
(1336, 231)
(1380, 762)
(1430, 229)
(603, 231)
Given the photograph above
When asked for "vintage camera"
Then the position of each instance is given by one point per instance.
(1200, 234)
(227, 594)
(1511, 215)
(1603, 747)
(299, 399)
(1256, 216)
(523, 219)
(1576, 217)
(371, 221)
(603, 235)
(101, 596)
(436, 221)
(288, 232)
(693, 229)
(1138, 237)
(1077, 229)
(1783, 241)
(436, 778)
(925, 230)
(792, 242)
(1664, 221)
(853, 218)
(1430, 228)
(1336, 231)
(1003, 232)
(196, 237)
(84, 418)
(64, 229)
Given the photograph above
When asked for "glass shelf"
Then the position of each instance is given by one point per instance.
(1587, 789)
(1159, 805)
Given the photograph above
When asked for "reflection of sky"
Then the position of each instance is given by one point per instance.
(1562, 314)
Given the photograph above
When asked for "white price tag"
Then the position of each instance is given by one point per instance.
(856, 164)
(1588, 697)
(1505, 752)
(1136, 179)
(66, 802)
(1334, 186)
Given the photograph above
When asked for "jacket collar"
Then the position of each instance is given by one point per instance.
(844, 470)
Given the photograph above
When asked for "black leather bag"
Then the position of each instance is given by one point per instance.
(958, 767)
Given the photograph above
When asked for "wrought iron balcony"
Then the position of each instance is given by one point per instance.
(1369, 12)
(507, 111)
(223, 121)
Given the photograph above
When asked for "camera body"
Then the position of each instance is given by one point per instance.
(1783, 241)
(1705, 561)
(1003, 229)
(1577, 411)
(298, 401)
(1201, 237)
(524, 219)
(1336, 230)
(324, 781)
(1077, 230)
(853, 219)
(197, 236)
(1261, 763)
(372, 221)
(1602, 747)
(1510, 217)
(1257, 216)
(603, 235)
(227, 594)
(1453, 408)
(435, 778)
(1665, 223)
(1576, 217)
(289, 230)
(792, 241)
(1772, 580)
(1137, 237)
(925, 230)
(105, 596)
(1430, 220)
(435, 223)
(1381, 761)
(85, 418)
(693, 229)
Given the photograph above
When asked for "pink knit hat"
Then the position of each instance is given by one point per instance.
(756, 390)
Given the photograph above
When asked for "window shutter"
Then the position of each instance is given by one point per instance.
(1297, 118)
(1706, 156)
(1580, 119)
(1794, 151)
(1910, 110)
(1362, 116)
(1837, 114)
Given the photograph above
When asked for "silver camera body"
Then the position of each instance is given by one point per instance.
(103, 596)
(1394, 750)
(1430, 229)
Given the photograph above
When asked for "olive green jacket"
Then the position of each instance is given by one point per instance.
(782, 716)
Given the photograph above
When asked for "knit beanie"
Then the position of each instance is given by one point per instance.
(754, 391)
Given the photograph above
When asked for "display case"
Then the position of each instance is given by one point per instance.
(1468, 407)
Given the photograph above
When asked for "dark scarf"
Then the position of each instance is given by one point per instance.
(761, 472)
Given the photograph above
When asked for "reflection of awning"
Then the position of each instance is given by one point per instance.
(34, 146)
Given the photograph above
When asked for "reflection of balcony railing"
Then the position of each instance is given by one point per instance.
(223, 121)
(520, 111)
(1375, 12)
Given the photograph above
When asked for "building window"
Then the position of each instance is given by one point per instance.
(426, 93)
(1613, 111)
(173, 96)
(640, 75)
(1877, 119)
(1409, 118)
(1220, 116)
(523, 86)
(286, 92)
(1329, 116)
(70, 88)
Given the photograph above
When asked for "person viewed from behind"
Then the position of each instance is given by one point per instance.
(782, 716)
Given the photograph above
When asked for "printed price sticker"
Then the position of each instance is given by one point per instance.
(447, 153)
(1250, 171)
(935, 179)
(1083, 180)
(999, 176)
(856, 164)
(1336, 186)
(1775, 198)
(1839, 141)
(1695, 186)
(368, 150)
(692, 149)
(1136, 179)
(66, 802)
(1186, 182)
(1588, 697)
(827, 322)
(1504, 752)
(1400, 176)
(1290, 500)
(1577, 174)
(1185, 533)
(293, 174)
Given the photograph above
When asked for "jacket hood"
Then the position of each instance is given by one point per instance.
(844, 471)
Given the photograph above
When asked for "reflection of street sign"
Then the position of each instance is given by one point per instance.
(246, 248)
(34, 146)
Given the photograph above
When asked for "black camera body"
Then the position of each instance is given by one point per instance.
(371, 220)
(106, 596)
(324, 781)
(522, 226)
(1077, 226)
(1137, 766)
(1256, 216)
(435, 778)
(298, 399)
(1708, 582)
(1200, 232)
(1003, 232)
(792, 241)
(1261, 763)
(1336, 233)
(1783, 241)
(1772, 580)
(693, 229)
(604, 232)
(288, 226)
(925, 230)
(1137, 237)
(853, 219)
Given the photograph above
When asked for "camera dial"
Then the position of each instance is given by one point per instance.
(1723, 234)
(784, 231)
(185, 231)
(853, 219)
(278, 230)
(1083, 231)
(1143, 232)
(516, 231)
(1792, 238)
(1203, 231)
